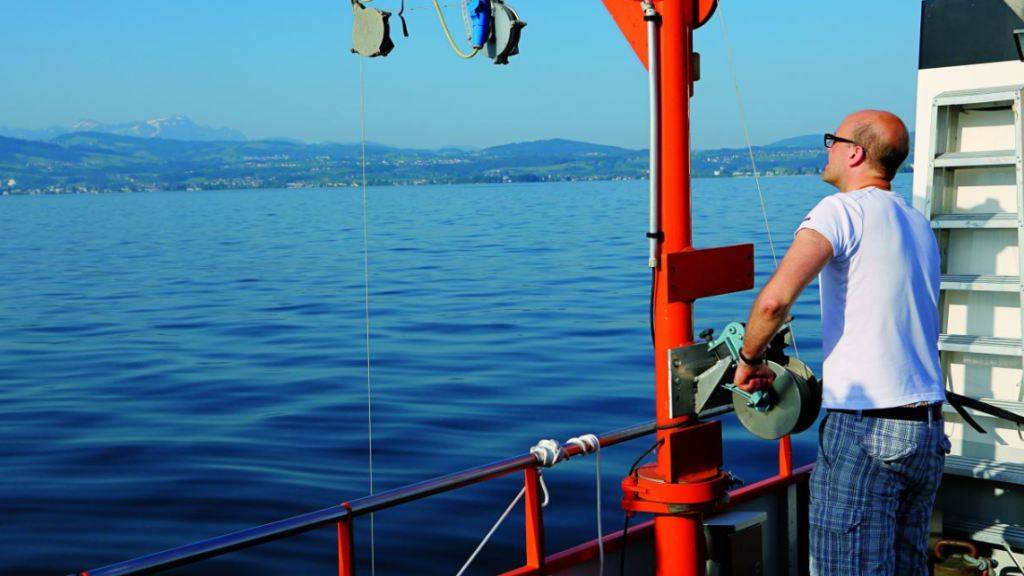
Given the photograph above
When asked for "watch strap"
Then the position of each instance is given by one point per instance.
(757, 361)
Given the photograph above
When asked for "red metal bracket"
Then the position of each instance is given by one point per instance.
(702, 11)
(346, 565)
(630, 17)
(709, 272)
(693, 452)
(695, 480)
(628, 14)
(785, 456)
(534, 519)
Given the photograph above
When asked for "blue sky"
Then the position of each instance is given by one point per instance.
(272, 68)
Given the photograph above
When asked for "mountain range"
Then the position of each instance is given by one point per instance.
(142, 156)
(176, 127)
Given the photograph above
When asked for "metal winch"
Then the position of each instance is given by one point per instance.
(702, 376)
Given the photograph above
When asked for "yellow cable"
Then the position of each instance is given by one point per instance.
(448, 35)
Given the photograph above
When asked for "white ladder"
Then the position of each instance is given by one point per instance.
(975, 202)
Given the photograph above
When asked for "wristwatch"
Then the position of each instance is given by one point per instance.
(756, 361)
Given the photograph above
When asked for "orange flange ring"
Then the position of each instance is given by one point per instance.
(644, 493)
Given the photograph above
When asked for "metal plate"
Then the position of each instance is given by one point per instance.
(685, 365)
(707, 272)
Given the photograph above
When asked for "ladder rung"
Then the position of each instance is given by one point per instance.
(969, 159)
(988, 531)
(980, 283)
(975, 220)
(978, 96)
(980, 344)
(985, 469)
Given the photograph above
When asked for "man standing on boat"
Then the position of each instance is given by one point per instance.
(881, 442)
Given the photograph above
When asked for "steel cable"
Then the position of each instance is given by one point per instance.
(366, 302)
(750, 151)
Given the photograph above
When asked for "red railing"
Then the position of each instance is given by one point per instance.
(344, 515)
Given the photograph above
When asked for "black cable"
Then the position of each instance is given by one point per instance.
(672, 425)
(622, 555)
(625, 523)
(401, 16)
(636, 463)
(650, 315)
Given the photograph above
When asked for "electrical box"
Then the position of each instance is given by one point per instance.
(735, 543)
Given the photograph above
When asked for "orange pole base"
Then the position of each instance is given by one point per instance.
(674, 540)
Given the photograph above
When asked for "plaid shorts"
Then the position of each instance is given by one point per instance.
(872, 492)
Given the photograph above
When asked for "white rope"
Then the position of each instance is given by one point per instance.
(750, 151)
(494, 528)
(588, 443)
(366, 303)
(548, 452)
(490, 532)
(431, 6)
(448, 35)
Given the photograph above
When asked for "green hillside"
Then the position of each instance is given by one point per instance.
(102, 162)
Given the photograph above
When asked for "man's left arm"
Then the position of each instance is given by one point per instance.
(804, 260)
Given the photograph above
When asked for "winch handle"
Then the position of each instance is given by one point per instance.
(760, 400)
(732, 340)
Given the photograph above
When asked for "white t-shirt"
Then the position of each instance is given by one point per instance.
(879, 301)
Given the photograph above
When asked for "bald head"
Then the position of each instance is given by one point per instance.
(884, 138)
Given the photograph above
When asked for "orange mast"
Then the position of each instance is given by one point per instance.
(687, 479)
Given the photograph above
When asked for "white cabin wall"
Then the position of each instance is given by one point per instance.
(984, 190)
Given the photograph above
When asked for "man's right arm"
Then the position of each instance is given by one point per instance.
(804, 260)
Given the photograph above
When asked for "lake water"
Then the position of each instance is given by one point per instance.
(174, 366)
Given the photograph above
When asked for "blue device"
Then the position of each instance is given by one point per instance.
(480, 17)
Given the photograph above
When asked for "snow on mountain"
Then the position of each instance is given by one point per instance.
(177, 127)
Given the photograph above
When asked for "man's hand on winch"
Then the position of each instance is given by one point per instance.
(753, 378)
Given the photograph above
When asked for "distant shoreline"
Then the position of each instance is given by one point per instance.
(79, 192)
(95, 162)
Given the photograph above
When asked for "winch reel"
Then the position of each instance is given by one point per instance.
(702, 375)
(371, 31)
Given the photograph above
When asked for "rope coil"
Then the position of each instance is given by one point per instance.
(588, 443)
(548, 452)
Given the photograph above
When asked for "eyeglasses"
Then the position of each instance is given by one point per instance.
(831, 139)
